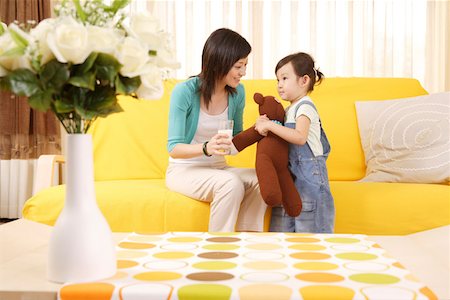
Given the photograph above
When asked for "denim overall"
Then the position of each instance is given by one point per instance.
(311, 179)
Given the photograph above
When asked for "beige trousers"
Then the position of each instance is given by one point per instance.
(236, 203)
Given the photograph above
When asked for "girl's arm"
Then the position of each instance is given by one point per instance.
(297, 136)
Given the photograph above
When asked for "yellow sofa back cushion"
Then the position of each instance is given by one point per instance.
(132, 144)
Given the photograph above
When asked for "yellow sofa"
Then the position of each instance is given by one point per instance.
(130, 159)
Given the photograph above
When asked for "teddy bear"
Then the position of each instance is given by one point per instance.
(272, 158)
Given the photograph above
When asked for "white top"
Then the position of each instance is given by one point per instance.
(313, 139)
(209, 128)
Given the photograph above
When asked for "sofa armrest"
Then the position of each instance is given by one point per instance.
(45, 171)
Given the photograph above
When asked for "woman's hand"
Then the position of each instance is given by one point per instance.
(220, 144)
(262, 125)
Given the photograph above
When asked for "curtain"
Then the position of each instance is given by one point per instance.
(381, 38)
(24, 133)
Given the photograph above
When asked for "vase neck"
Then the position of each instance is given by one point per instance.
(80, 170)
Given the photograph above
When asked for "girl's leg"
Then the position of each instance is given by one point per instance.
(317, 215)
(280, 221)
(223, 189)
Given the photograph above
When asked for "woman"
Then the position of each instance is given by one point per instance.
(197, 166)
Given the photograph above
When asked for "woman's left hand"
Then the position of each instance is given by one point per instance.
(219, 144)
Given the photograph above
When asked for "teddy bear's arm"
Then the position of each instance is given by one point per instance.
(246, 138)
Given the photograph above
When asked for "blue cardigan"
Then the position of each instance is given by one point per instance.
(185, 110)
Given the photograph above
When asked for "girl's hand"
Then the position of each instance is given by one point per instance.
(262, 125)
(220, 144)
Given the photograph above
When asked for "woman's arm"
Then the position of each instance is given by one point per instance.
(186, 150)
(217, 145)
(297, 136)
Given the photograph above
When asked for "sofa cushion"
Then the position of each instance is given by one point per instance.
(132, 145)
(389, 208)
(129, 205)
(406, 140)
(148, 206)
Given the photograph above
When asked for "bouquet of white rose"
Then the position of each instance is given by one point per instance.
(78, 62)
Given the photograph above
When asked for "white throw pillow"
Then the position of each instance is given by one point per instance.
(406, 140)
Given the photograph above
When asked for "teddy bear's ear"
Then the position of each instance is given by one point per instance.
(258, 98)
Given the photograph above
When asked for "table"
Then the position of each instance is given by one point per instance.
(24, 250)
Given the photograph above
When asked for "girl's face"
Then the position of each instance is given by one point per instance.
(290, 86)
(238, 70)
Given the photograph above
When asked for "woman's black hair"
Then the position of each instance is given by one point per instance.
(223, 48)
(303, 64)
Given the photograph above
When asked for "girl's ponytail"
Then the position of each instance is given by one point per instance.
(319, 76)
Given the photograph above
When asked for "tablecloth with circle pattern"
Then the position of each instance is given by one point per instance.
(252, 266)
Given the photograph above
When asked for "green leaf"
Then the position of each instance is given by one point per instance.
(127, 85)
(85, 114)
(41, 100)
(62, 107)
(80, 12)
(75, 95)
(54, 75)
(86, 81)
(103, 97)
(18, 39)
(86, 65)
(16, 51)
(23, 82)
(111, 109)
(118, 4)
(36, 63)
(106, 67)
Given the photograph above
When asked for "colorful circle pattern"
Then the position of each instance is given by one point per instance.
(251, 266)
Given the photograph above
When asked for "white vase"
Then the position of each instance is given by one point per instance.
(81, 246)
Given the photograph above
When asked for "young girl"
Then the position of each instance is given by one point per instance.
(308, 148)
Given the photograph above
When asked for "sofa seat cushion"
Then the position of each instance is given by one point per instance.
(361, 207)
(389, 208)
(129, 205)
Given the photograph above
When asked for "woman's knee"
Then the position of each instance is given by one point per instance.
(233, 183)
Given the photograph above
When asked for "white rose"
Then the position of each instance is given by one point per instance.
(40, 33)
(145, 27)
(166, 59)
(11, 62)
(151, 83)
(133, 56)
(69, 41)
(104, 39)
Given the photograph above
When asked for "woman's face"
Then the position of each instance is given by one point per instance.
(238, 70)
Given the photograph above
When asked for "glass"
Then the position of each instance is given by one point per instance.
(226, 127)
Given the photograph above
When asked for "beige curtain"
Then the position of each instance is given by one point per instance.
(438, 45)
(24, 133)
(383, 38)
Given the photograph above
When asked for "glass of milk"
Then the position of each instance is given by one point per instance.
(226, 127)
